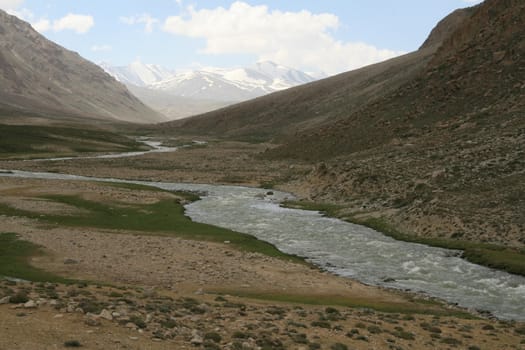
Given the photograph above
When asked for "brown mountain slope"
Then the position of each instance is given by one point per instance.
(297, 109)
(302, 107)
(444, 155)
(476, 76)
(38, 76)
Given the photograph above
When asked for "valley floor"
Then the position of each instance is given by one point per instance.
(140, 289)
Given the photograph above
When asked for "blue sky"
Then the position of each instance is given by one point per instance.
(317, 36)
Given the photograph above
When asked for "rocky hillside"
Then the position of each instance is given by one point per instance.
(296, 109)
(443, 155)
(283, 114)
(39, 76)
(431, 144)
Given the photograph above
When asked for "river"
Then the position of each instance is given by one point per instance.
(347, 249)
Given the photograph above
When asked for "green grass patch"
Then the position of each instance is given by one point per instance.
(410, 307)
(165, 217)
(14, 260)
(29, 141)
(490, 255)
(324, 208)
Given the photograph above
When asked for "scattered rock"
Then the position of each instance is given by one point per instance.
(31, 304)
(5, 300)
(70, 262)
(131, 325)
(93, 322)
(105, 314)
(197, 340)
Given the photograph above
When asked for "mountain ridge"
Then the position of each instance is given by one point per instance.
(211, 83)
(39, 76)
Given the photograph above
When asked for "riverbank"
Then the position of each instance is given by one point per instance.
(273, 290)
(145, 290)
(511, 260)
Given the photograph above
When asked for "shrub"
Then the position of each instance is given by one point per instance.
(374, 329)
(339, 346)
(321, 324)
(72, 344)
(19, 298)
(213, 336)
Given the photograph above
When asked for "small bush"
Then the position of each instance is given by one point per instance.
(300, 338)
(19, 298)
(339, 346)
(241, 335)
(211, 346)
(138, 321)
(404, 335)
(321, 324)
(451, 341)
(72, 344)
(520, 330)
(374, 329)
(213, 336)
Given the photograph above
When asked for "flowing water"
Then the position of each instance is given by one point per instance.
(156, 147)
(347, 249)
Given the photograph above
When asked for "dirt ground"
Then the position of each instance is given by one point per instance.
(147, 271)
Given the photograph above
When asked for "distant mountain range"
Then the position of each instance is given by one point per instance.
(180, 94)
(219, 84)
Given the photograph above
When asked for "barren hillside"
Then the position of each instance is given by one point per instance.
(40, 76)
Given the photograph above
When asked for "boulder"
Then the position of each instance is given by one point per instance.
(105, 314)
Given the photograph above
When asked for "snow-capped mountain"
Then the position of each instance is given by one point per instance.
(219, 84)
(181, 94)
(236, 84)
(138, 73)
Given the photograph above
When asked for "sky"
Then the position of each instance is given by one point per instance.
(319, 37)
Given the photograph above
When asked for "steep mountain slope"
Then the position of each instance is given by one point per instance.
(39, 76)
(431, 144)
(443, 155)
(476, 77)
(289, 112)
(283, 114)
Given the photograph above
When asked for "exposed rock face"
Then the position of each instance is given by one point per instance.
(39, 76)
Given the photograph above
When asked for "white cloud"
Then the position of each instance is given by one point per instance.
(144, 18)
(101, 48)
(10, 4)
(80, 24)
(298, 39)
(42, 25)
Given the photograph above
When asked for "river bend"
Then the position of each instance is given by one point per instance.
(347, 249)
